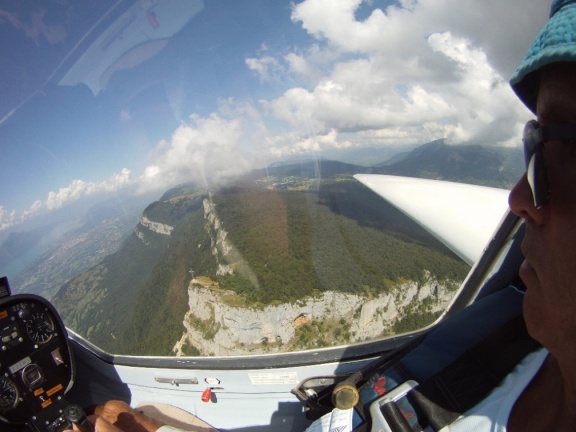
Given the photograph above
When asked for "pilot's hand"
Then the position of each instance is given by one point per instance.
(100, 425)
(117, 416)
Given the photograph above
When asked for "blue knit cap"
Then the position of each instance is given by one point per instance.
(555, 43)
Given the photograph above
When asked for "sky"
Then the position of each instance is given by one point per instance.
(242, 84)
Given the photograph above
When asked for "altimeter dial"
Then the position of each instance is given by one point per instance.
(8, 394)
(40, 327)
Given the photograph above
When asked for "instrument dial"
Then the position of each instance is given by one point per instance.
(40, 327)
(8, 394)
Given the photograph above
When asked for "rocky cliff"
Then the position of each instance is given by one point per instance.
(219, 322)
(216, 327)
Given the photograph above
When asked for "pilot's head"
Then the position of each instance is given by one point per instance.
(546, 196)
(556, 42)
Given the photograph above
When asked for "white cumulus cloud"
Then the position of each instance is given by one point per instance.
(268, 68)
(206, 151)
(7, 218)
(80, 188)
(416, 71)
(75, 191)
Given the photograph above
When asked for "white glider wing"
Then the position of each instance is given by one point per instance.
(462, 216)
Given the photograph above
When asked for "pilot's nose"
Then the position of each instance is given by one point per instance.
(521, 201)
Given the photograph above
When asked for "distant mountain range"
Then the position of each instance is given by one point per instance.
(481, 165)
(489, 166)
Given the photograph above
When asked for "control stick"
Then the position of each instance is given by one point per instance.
(76, 415)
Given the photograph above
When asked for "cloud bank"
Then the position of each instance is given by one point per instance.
(415, 72)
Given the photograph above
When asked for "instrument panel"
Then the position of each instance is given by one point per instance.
(36, 365)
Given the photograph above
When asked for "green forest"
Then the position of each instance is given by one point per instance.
(333, 234)
(339, 236)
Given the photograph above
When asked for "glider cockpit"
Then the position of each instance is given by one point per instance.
(195, 191)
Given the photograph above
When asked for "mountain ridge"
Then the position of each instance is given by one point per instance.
(319, 235)
(473, 164)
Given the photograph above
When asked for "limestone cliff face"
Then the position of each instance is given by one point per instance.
(216, 328)
(157, 227)
(218, 237)
(146, 224)
(229, 260)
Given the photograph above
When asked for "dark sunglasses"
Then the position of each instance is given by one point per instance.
(534, 138)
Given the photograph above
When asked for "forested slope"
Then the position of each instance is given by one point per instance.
(329, 235)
